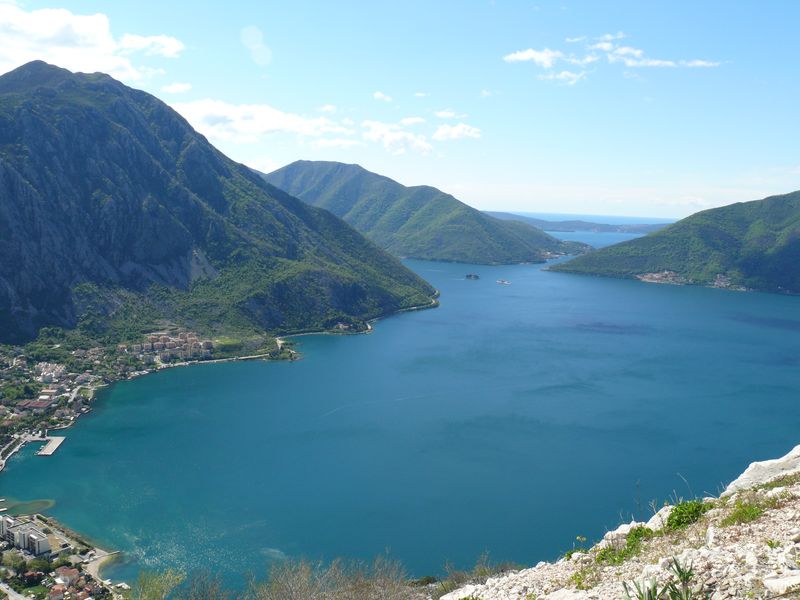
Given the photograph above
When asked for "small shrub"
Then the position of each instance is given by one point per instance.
(773, 544)
(784, 481)
(633, 545)
(744, 511)
(644, 591)
(585, 578)
(482, 570)
(682, 590)
(686, 513)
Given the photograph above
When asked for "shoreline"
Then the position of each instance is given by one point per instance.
(105, 557)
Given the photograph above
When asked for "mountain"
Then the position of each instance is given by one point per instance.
(416, 222)
(116, 216)
(579, 225)
(752, 244)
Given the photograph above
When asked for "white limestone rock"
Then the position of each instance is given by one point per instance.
(784, 584)
(759, 473)
(567, 595)
(659, 520)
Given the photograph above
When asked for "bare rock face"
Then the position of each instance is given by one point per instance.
(789, 582)
(107, 193)
(659, 520)
(759, 473)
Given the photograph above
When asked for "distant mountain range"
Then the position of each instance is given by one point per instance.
(578, 225)
(755, 245)
(416, 222)
(116, 216)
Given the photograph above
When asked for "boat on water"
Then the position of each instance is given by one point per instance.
(503, 282)
(472, 276)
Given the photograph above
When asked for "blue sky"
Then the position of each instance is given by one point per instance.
(652, 109)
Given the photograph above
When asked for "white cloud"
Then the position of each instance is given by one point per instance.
(343, 143)
(77, 42)
(456, 132)
(544, 58)
(177, 88)
(159, 45)
(411, 121)
(327, 108)
(381, 96)
(244, 123)
(449, 113)
(487, 93)
(585, 60)
(641, 62)
(609, 45)
(629, 51)
(700, 63)
(253, 39)
(575, 40)
(566, 77)
(394, 138)
(262, 163)
(421, 94)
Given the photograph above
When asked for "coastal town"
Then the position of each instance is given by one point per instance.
(44, 389)
(43, 561)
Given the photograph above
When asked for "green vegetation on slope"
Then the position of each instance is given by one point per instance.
(116, 217)
(751, 244)
(417, 222)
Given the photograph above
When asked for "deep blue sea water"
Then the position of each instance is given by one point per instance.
(510, 419)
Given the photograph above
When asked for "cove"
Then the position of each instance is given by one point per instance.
(509, 420)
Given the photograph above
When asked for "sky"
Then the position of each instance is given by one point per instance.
(594, 107)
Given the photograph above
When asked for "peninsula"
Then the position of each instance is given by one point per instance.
(750, 245)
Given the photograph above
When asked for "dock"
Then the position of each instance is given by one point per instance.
(53, 442)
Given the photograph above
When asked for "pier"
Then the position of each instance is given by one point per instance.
(53, 442)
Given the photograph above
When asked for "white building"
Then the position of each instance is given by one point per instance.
(25, 536)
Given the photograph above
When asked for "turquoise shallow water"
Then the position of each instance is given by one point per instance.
(510, 419)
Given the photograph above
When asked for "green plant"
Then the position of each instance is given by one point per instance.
(682, 590)
(744, 511)
(585, 578)
(644, 591)
(685, 513)
(633, 545)
(784, 481)
(581, 547)
(773, 544)
(749, 508)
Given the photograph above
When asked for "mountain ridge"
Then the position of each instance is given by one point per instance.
(416, 222)
(111, 204)
(751, 245)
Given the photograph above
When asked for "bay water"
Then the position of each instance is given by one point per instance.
(510, 420)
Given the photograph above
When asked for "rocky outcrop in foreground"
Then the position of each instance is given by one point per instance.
(744, 544)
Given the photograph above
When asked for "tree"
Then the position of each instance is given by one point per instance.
(156, 586)
(204, 587)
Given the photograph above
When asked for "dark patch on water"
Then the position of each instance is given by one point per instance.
(772, 322)
(613, 328)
